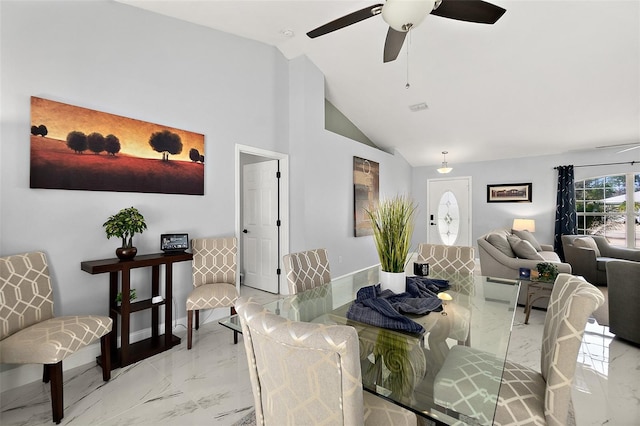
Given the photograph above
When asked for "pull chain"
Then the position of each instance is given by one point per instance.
(407, 86)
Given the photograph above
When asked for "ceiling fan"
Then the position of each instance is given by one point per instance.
(403, 15)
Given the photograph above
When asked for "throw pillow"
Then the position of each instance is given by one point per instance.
(528, 236)
(500, 242)
(587, 242)
(523, 248)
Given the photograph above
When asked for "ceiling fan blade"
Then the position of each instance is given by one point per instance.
(346, 20)
(628, 149)
(469, 10)
(393, 44)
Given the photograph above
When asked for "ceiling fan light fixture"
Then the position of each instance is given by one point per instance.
(445, 167)
(402, 15)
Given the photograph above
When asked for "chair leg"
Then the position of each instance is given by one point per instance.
(57, 400)
(45, 373)
(197, 319)
(189, 328)
(105, 349)
(235, 333)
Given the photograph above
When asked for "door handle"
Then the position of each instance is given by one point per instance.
(245, 231)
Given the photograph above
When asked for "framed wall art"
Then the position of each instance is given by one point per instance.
(509, 193)
(366, 187)
(83, 149)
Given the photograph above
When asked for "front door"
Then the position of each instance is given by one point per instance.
(449, 210)
(260, 225)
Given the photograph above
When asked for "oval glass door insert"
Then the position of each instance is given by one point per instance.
(448, 218)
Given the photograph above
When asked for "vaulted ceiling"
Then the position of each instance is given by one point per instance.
(549, 77)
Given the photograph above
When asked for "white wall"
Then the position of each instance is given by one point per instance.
(118, 59)
(322, 177)
(122, 60)
(537, 170)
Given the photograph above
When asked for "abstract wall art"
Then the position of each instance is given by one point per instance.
(366, 186)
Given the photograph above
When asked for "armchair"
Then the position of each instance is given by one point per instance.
(304, 373)
(214, 279)
(31, 334)
(589, 255)
(624, 299)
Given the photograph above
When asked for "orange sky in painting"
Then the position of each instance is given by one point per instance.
(61, 119)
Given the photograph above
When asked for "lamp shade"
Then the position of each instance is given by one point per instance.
(402, 15)
(524, 225)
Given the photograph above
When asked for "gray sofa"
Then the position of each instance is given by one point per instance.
(624, 295)
(497, 258)
(589, 255)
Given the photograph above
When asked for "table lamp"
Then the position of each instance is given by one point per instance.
(524, 225)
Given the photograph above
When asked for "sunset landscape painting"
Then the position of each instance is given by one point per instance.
(83, 149)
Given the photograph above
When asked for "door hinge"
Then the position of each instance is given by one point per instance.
(278, 223)
(278, 175)
(278, 271)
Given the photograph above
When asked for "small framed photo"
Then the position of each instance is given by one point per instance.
(509, 193)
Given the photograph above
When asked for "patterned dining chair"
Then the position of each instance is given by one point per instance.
(306, 269)
(307, 374)
(526, 396)
(29, 332)
(214, 279)
(441, 257)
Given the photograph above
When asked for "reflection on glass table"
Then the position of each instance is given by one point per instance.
(402, 367)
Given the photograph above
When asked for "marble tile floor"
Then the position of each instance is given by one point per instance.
(209, 385)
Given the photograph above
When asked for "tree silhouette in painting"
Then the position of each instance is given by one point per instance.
(194, 155)
(40, 130)
(112, 144)
(166, 142)
(96, 142)
(77, 141)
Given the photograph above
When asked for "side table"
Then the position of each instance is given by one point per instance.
(536, 290)
(119, 276)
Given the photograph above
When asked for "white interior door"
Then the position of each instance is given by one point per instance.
(449, 210)
(260, 228)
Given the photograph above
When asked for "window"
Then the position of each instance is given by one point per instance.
(605, 207)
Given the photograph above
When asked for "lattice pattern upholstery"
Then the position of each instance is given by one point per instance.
(306, 270)
(572, 301)
(214, 278)
(30, 334)
(214, 273)
(527, 397)
(51, 341)
(26, 292)
(447, 258)
(304, 373)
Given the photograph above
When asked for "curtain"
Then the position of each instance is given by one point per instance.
(566, 217)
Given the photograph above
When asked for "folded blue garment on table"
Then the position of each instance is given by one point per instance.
(385, 308)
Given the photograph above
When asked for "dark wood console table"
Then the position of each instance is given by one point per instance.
(134, 352)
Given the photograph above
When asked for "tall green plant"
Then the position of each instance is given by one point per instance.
(392, 223)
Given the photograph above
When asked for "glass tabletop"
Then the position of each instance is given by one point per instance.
(404, 367)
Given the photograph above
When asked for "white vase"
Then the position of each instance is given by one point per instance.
(394, 281)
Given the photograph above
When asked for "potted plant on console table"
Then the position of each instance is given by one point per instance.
(392, 223)
(125, 224)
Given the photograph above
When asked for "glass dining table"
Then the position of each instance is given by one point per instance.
(404, 368)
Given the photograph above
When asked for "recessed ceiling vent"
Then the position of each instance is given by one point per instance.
(418, 107)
